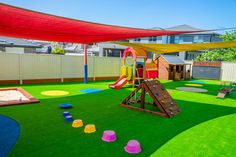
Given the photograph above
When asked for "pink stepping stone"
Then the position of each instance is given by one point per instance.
(133, 147)
(109, 136)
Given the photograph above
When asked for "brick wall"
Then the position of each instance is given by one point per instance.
(163, 69)
(207, 64)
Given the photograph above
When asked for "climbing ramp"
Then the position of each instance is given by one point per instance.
(161, 99)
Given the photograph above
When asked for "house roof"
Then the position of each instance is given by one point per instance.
(189, 28)
(172, 59)
(16, 42)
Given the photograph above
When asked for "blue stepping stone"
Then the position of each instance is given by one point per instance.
(69, 118)
(66, 113)
(91, 90)
(65, 106)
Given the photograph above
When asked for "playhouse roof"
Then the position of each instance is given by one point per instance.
(172, 59)
(28, 24)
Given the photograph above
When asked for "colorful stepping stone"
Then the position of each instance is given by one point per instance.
(69, 118)
(66, 113)
(77, 123)
(65, 106)
(89, 128)
(90, 90)
(133, 147)
(109, 136)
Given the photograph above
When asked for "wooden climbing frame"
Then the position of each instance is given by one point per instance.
(161, 99)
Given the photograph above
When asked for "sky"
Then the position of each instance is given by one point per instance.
(204, 14)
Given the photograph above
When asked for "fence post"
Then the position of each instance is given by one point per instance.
(61, 70)
(120, 60)
(94, 68)
(20, 68)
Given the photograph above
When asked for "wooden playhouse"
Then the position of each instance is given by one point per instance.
(171, 67)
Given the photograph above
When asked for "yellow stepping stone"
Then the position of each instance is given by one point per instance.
(55, 93)
(194, 85)
(90, 128)
(77, 123)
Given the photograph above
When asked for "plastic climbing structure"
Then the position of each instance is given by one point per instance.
(161, 99)
(139, 69)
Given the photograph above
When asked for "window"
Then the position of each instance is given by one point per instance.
(112, 52)
(171, 68)
(137, 40)
(153, 39)
(192, 55)
(150, 55)
(186, 38)
(2, 49)
(176, 39)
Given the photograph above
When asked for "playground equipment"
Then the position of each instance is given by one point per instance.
(161, 99)
(89, 128)
(119, 83)
(65, 106)
(226, 89)
(15, 96)
(137, 71)
(133, 147)
(69, 118)
(66, 113)
(109, 136)
(77, 123)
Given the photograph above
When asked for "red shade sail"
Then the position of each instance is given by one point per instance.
(22, 23)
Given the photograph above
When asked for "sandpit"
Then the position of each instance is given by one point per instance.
(14, 96)
(11, 95)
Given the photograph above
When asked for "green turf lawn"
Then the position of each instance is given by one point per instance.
(203, 126)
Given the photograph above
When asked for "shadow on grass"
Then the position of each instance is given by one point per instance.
(44, 132)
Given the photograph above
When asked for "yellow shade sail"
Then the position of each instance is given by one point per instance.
(170, 48)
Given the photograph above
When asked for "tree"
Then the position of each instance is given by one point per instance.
(57, 49)
(227, 54)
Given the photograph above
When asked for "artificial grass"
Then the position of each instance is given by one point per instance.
(212, 138)
(44, 132)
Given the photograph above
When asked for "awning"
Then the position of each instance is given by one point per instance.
(170, 48)
(22, 23)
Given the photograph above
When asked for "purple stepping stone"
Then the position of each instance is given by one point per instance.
(133, 147)
(109, 136)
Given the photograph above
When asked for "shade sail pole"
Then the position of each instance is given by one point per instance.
(85, 64)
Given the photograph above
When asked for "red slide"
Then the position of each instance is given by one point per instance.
(119, 83)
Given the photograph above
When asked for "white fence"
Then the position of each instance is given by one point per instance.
(228, 71)
(35, 66)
